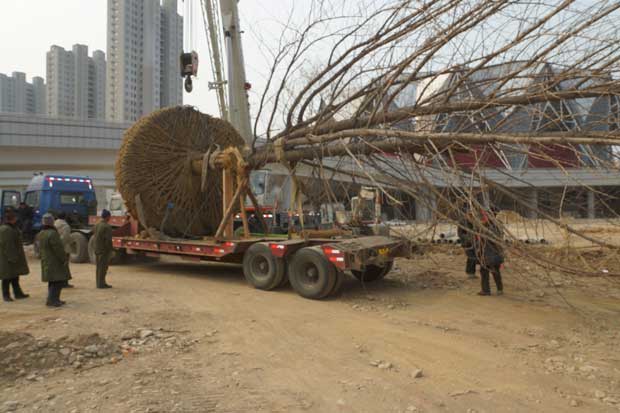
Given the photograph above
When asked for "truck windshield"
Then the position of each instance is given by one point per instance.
(71, 198)
(116, 204)
(32, 199)
(257, 182)
(10, 199)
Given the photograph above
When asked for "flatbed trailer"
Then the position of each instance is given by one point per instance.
(313, 261)
(313, 266)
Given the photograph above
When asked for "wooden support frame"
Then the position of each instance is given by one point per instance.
(228, 201)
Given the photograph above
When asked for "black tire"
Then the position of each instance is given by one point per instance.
(340, 277)
(373, 272)
(91, 251)
(261, 269)
(79, 248)
(311, 274)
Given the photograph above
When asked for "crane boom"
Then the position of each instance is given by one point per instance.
(212, 28)
(238, 105)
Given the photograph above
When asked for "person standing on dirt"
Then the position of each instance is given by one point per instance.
(465, 232)
(13, 262)
(489, 253)
(103, 248)
(64, 230)
(54, 261)
(25, 215)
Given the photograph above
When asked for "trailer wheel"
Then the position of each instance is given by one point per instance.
(79, 248)
(311, 274)
(261, 269)
(373, 272)
(340, 277)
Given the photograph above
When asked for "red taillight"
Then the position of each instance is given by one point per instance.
(335, 256)
(277, 250)
(226, 248)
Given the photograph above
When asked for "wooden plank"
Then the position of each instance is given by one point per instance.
(226, 224)
(227, 197)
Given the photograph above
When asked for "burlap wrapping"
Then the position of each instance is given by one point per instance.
(154, 163)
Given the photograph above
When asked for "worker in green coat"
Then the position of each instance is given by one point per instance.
(54, 267)
(103, 248)
(12, 258)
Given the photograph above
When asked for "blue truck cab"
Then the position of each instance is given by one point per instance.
(75, 195)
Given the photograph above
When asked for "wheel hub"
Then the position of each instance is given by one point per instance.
(311, 274)
(260, 267)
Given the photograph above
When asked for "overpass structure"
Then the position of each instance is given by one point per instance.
(31, 144)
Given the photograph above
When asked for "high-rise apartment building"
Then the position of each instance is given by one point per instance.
(97, 76)
(76, 83)
(145, 40)
(19, 96)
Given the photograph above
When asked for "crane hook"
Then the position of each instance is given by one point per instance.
(189, 86)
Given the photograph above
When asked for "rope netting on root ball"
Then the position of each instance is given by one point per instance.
(154, 170)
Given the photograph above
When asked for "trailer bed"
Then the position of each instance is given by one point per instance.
(369, 258)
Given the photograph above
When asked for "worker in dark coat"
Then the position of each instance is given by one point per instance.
(489, 253)
(54, 261)
(465, 232)
(25, 215)
(12, 258)
(64, 230)
(103, 248)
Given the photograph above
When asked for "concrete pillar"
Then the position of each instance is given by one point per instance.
(532, 200)
(486, 200)
(591, 205)
(425, 205)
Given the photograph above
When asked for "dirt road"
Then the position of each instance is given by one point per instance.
(180, 337)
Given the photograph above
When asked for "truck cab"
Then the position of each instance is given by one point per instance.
(74, 195)
(273, 193)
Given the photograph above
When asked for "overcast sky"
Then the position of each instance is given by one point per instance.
(29, 27)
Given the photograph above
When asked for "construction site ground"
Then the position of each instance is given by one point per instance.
(173, 336)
